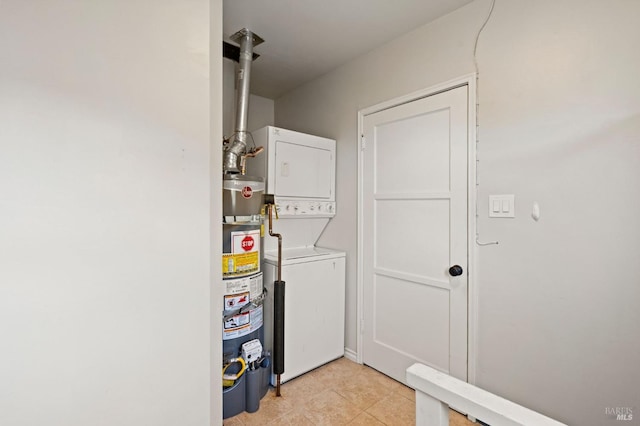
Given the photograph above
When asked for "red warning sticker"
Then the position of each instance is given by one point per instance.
(247, 243)
(235, 301)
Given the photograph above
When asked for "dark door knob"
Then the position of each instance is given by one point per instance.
(455, 270)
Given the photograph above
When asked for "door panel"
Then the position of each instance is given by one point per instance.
(399, 298)
(409, 236)
(402, 171)
(415, 227)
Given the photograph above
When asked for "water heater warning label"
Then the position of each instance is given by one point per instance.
(237, 322)
(242, 324)
(235, 265)
(252, 284)
(244, 258)
(235, 301)
(245, 241)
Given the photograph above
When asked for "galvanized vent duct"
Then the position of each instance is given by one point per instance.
(235, 151)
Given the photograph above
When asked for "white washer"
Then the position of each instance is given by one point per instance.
(314, 307)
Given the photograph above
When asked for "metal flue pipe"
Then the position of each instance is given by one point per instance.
(236, 150)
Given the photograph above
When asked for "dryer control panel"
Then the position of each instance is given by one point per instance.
(298, 208)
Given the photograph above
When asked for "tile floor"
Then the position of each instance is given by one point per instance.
(339, 393)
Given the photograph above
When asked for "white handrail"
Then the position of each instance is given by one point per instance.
(436, 391)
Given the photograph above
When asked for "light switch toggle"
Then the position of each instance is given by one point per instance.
(502, 205)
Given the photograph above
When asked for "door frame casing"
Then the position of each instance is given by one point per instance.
(470, 81)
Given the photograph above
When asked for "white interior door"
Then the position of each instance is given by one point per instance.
(415, 229)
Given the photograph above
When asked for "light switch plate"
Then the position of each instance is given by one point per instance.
(502, 205)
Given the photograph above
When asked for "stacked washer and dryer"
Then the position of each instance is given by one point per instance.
(300, 172)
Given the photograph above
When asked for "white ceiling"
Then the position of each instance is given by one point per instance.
(305, 39)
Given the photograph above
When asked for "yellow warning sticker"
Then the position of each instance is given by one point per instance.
(238, 264)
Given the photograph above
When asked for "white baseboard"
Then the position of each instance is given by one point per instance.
(350, 355)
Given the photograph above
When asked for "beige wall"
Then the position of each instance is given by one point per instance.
(559, 125)
(216, 132)
(105, 213)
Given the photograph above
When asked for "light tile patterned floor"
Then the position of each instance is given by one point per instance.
(339, 393)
